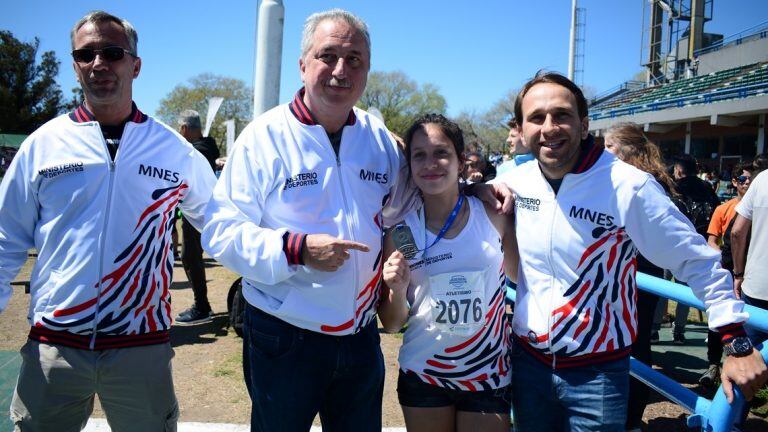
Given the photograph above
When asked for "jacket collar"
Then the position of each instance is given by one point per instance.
(588, 155)
(82, 115)
(300, 110)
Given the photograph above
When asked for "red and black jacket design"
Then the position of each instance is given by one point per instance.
(576, 295)
(102, 228)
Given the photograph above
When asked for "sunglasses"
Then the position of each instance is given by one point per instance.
(743, 179)
(110, 54)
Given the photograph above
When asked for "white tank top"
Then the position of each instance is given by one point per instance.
(457, 335)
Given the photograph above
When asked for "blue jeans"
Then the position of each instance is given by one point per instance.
(293, 374)
(589, 398)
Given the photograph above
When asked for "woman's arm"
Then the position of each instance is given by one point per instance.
(396, 275)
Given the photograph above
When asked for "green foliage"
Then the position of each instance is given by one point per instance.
(238, 102)
(77, 99)
(400, 99)
(29, 94)
(760, 402)
(487, 131)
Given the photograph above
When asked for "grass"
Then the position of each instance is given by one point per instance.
(232, 366)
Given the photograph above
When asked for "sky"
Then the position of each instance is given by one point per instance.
(474, 52)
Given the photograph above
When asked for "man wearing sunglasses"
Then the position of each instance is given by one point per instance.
(95, 192)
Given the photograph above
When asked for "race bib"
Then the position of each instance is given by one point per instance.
(458, 302)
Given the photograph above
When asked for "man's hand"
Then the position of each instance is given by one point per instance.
(497, 195)
(748, 372)
(737, 286)
(396, 273)
(328, 253)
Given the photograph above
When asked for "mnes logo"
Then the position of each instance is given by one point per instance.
(163, 174)
(593, 216)
(381, 178)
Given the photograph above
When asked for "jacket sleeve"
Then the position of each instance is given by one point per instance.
(666, 237)
(18, 218)
(200, 182)
(232, 234)
(404, 196)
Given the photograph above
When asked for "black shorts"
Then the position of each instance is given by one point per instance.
(414, 393)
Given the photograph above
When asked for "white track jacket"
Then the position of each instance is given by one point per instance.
(284, 178)
(576, 292)
(102, 229)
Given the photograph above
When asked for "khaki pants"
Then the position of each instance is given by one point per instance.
(57, 385)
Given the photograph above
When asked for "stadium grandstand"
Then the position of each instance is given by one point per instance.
(704, 94)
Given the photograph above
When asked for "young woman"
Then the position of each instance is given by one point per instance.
(628, 142)
(449, 290)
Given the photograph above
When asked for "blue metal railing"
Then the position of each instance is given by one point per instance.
(758, 31)
(720, 94)
(615, 91)
(715, 415)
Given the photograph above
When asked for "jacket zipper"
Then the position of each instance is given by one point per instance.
(552, 276)
(347, 219)
(103, 236)
(350, 231)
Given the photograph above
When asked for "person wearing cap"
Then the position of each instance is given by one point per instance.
(191, 250)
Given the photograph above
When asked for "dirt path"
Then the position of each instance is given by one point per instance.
(208, 363)
(207, 368)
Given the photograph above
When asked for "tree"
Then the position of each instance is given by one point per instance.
(78, 97)
(590, 92)
(29, 94)
(487, 131)
(238, 102)
(400, 99)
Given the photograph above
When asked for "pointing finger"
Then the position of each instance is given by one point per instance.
(348, 244)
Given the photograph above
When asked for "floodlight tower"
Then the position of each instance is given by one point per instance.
(572, 46)
(671, 46)
(576, 47)
(269, 54)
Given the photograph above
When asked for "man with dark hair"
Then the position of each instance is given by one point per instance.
(699, 201)
(574, 317)
(759, 164)
(95, 192)
(190, 128)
